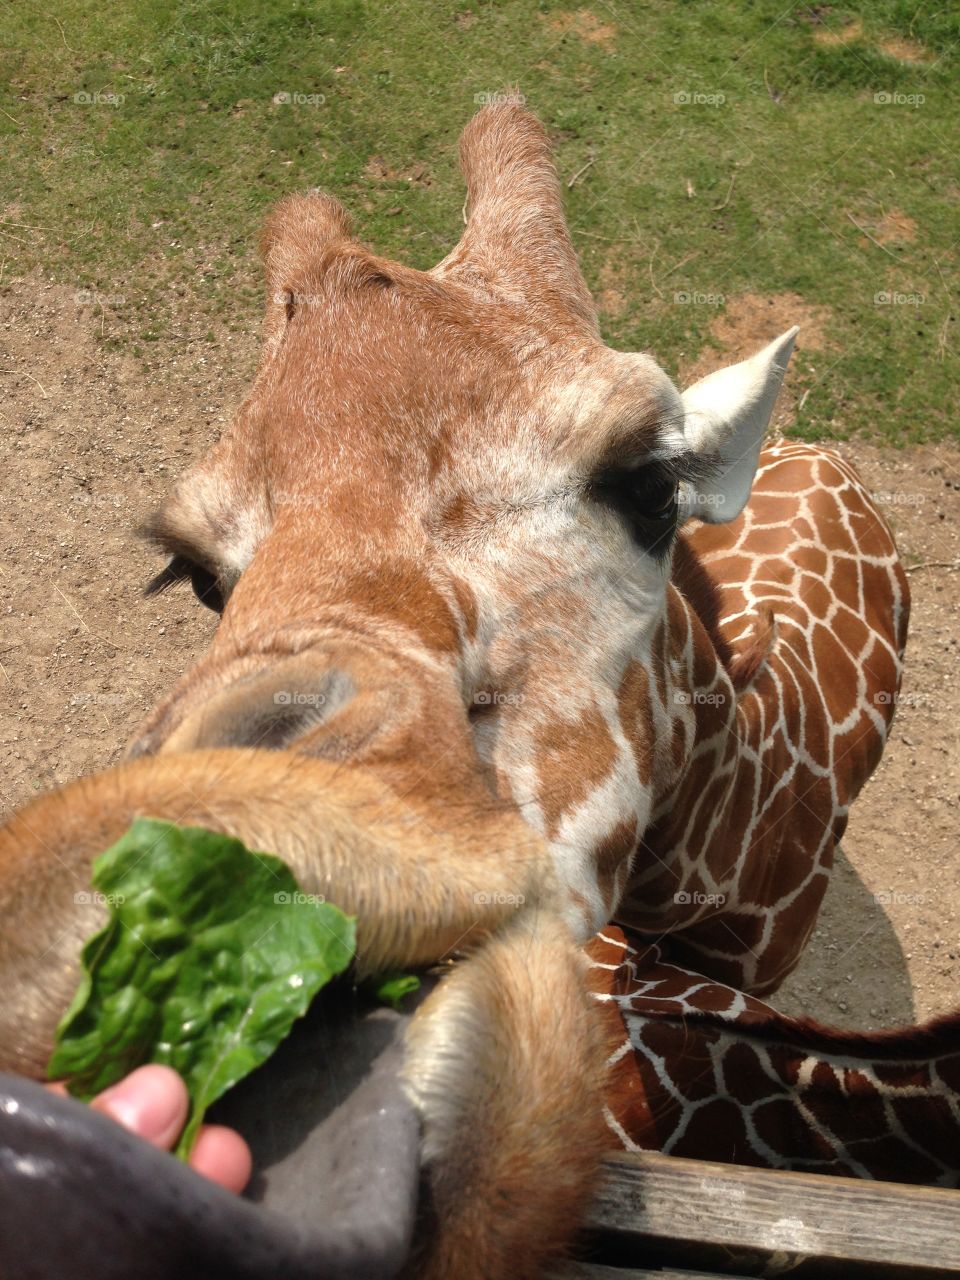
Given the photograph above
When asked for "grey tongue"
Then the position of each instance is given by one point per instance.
(333, 1136)
(334, 1195)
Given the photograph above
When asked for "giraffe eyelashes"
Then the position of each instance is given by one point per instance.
(188, 562)
(206, 585)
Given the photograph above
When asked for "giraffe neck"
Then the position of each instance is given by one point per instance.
(777, 674)
(703, 1070)
(684, 873)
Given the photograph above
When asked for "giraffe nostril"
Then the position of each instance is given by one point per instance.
(272, 729)
(271, 710)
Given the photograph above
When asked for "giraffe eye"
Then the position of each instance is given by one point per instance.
(659, 503)
(644, 492)
(647, 498)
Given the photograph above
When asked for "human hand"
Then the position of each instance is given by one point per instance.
(152, 1102)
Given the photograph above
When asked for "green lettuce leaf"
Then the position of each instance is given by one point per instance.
(391, 988)
(210, 954)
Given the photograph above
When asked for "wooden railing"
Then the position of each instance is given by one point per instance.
(661, 1216)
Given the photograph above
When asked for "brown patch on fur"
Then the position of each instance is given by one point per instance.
(611, 852)
(636, 717)
(401, 592)
(572, 757)
(699, 589)
(469, 609)
(462, 518)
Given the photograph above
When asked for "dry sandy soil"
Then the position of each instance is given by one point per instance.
(91, 441)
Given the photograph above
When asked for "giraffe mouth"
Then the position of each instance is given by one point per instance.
(334, 1135)
(335, 1190)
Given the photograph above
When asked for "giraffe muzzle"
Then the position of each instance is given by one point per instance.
(372, 1133)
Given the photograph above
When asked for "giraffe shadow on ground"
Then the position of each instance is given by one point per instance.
(854, 972)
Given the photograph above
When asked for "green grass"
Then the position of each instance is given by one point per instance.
(158, 200)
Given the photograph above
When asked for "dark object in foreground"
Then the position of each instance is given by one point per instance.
(334, 1195)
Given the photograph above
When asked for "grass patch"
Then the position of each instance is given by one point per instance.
(721, 149)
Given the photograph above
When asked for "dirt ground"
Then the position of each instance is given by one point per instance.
(90, 442)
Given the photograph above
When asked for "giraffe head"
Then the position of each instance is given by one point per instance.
(440, 527)
(439, 533)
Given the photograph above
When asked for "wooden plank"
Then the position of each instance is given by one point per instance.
(655, 1198)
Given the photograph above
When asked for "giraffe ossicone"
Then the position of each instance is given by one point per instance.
(516, 639)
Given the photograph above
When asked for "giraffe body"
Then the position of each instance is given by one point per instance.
(700, 1069)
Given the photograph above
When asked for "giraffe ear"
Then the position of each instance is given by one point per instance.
(727, 414)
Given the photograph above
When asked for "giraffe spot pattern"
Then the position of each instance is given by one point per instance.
(751, 818)
(703, 1070)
